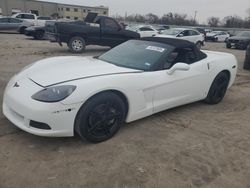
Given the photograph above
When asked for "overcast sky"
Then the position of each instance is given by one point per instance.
(205, 8)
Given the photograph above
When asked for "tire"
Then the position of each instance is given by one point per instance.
(199, 45)
(77, 44)
(101, 117)
(218, 89)
(22, 30)
(39, 35)
(229, 45)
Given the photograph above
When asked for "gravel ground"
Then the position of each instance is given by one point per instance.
(196, 145)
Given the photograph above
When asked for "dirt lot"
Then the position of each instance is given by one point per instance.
(191, 146)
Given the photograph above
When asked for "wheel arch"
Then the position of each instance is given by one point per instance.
(82, 35)
(115, 91)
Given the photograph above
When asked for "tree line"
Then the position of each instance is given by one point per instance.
(170, 18)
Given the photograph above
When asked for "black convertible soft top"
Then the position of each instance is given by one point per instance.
(178, 43)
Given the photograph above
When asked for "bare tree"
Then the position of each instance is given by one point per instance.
(213, 21)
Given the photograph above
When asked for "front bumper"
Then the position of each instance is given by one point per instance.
(21, 109)
(237, 44)
(29, 32)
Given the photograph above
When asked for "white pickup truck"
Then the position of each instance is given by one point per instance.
(32, 18)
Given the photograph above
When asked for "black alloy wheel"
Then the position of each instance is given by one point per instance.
(218, 89)
(101, 117)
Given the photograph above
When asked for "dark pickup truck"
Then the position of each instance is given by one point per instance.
(94, 30)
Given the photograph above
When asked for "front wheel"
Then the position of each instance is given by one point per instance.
(77, 45)
(101, 117)
(229, 45)
(218, 88)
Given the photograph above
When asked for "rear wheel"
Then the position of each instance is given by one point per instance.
(39, 35)
(101, 117)
(218, 88)
(77, 44)
(22, 30)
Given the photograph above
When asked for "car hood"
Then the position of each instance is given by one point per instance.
(239, 38)
(58, 70)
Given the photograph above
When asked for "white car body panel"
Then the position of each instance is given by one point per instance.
(149, 33)
(220, 37)
(146, 92)
(194, 38)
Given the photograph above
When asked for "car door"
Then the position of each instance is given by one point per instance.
(4, 24)
(181, 87)
(111, 33)
(15, 23)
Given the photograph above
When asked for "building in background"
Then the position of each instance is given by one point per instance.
(43, 8)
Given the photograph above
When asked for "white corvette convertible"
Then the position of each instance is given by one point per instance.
(93, 97)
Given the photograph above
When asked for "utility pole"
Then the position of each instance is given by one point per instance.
(195, 14)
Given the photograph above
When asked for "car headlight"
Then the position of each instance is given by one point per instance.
(54, 94)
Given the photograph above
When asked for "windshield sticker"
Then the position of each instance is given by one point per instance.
(155, 48)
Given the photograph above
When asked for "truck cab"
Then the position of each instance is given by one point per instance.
(94, 30)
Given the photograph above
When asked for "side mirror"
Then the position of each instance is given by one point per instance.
(181, 35)
(178, 66)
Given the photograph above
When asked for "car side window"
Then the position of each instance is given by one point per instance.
(109, 23)
(28, 16)
(146, 29)
(19, 16)
(181, 55)
(193, 32)
(185, 33)
(12, 20)
(4, 20)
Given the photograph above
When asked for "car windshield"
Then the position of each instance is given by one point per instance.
(244, 34)
(172, 31)
(136, 54)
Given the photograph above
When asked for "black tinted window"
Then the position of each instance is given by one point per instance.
(193, 32)
(183, 55)
(4, 20)
(146, 29)
(28, 16)
(109, 23)
(12, 20)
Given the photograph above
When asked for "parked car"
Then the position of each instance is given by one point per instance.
(13, 24)
(145, 30)
(41, 20)
(94, 96)
(217, 36)
(161, 28)
(37, 32)
(97, 30)
(240, 41)
(186, 34)
(28, 17)
(201, 30)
